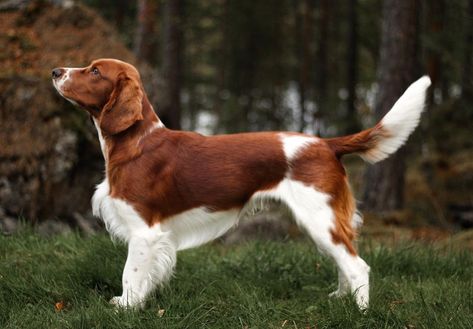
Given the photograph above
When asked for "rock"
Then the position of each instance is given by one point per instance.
(8, 225)
(52, 227)
(50, 159)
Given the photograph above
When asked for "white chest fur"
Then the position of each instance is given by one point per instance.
(103, 146)
(120, 219)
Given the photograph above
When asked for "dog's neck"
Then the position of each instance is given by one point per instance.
(127, 145)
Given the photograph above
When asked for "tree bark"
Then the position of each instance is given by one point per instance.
(467, 80)
(145, 36)
(353, 124)
(170, 112)
(304, 31)
(322, 62)
(385, 181)
(222, 68)
(120, 10)
(435, 18)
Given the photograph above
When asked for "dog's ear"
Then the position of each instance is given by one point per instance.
(123, 108)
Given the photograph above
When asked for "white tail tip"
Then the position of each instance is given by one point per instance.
(400, 121)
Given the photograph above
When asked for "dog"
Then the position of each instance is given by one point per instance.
(166, 190)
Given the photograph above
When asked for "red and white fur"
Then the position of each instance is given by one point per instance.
(166, 190)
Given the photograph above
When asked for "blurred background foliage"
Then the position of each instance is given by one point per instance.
(246, 60)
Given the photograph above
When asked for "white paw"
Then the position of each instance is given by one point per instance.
(335, 294)
(362, 300)
(338, 293)
(120, 302)
(116, 301)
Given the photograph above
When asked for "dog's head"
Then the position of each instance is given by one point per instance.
(109, 89)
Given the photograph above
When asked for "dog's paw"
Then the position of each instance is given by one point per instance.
(338, 293)
(122, 303)
(116, 301)
(335, 294)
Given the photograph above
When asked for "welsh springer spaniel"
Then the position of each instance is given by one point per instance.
(167, 190)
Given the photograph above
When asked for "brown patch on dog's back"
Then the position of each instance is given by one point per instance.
(217, 172)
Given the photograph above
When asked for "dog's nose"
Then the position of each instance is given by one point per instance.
(56, 73)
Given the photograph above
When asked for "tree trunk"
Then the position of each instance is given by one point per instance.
(304, 32)
(222, 68)
(120, 10)
(170, 112)
(467, 82)
(353, 124)
(249, 69)
(435, 18)
(322, 63)
(144, 47)
(384, 188)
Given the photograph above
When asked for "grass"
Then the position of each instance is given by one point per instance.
(66, 282)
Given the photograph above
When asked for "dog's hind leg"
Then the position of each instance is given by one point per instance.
(314, 212)
(150, 262)
(343, 286)
(343, 283)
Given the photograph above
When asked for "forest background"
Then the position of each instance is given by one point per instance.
(324, 67)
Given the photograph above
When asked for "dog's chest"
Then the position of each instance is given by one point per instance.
(120, 219)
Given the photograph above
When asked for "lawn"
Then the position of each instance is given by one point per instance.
(66, 282)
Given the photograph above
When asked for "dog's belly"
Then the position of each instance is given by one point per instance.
(198, 226)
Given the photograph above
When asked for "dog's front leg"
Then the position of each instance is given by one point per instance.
(150, 262)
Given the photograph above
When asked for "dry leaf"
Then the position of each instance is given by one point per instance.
(59, 306)
(395, 303)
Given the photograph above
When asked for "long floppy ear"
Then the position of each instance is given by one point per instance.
(123, 108)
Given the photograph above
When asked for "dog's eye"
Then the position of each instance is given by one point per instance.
(95, 71)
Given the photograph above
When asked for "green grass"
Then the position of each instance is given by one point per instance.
(255, 285)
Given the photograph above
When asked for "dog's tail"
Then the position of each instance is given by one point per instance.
(377, 143)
